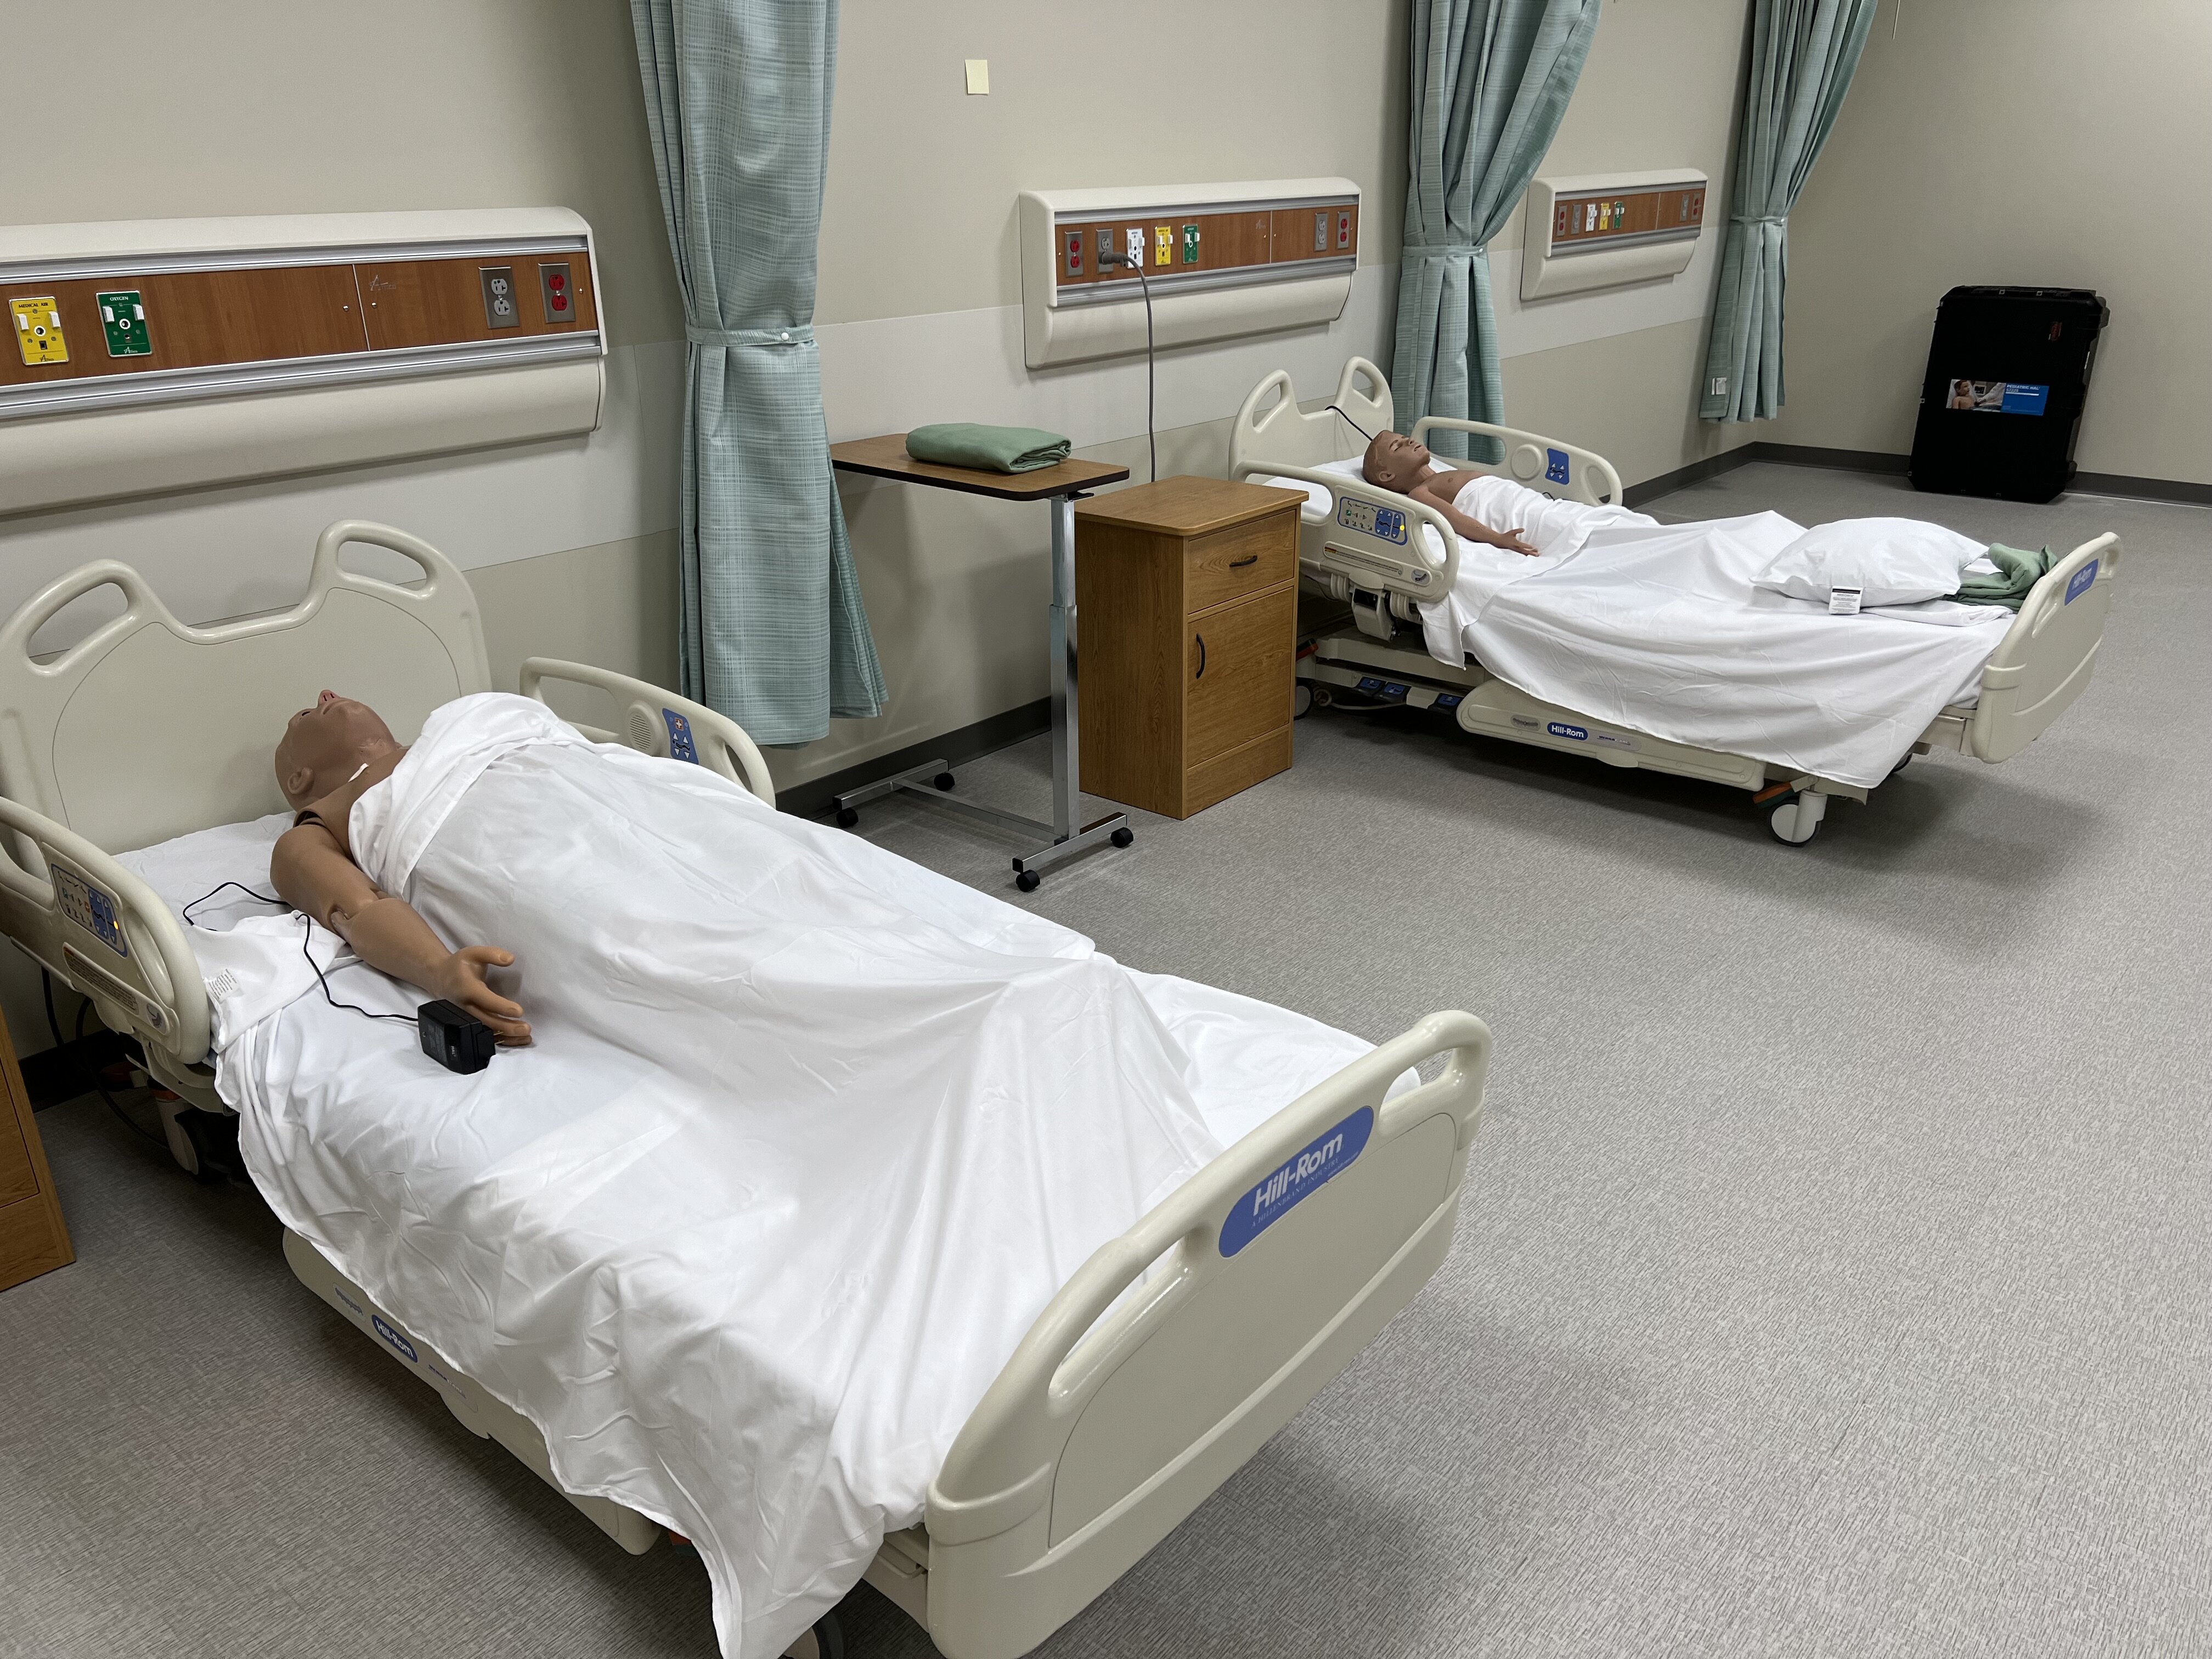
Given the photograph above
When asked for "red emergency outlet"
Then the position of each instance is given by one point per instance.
(1344, 230)
(1075, 253)
(560, 303)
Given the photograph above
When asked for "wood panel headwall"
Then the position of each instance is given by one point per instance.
(215, 320)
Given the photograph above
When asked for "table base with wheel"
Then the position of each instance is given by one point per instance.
(1060, 487)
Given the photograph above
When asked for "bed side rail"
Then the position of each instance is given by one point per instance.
(1564, 470)
(100, 928)
(2045, 660)
(659, 722)
(1371, 538)
(1280, 433)
(1134, 1395)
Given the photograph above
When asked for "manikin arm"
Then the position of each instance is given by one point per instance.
(313, 875)
(1474, 530)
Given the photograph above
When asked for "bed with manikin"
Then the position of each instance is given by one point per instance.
(981, 1340)
(1639, 644)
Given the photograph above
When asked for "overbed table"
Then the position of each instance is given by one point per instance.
(1061, 486)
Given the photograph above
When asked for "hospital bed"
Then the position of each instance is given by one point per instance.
(1163, 1364)
(1366, 550)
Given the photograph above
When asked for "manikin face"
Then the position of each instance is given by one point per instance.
(1394, 461)
(324, 744)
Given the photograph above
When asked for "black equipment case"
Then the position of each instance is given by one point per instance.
(2008, 374)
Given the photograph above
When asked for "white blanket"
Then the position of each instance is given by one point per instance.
(808, 1137)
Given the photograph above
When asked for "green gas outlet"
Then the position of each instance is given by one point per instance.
(123, 320)
(1190, 244)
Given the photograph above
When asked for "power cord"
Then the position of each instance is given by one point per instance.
(307, 941)
(1152, 443)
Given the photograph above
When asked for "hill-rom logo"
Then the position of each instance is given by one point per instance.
(1297, 1179)
(399, 1343)
(1561, 729)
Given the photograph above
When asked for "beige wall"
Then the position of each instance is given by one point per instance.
(2018, 141)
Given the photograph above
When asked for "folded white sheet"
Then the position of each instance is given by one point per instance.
(808, 1137)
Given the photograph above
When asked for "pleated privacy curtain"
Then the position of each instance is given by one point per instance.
(1803, 54)
(1491, 80)
(737, 100)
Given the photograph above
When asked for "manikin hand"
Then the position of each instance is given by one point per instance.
(461, 982)
(1509, 542)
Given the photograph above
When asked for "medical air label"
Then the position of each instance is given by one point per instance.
(1297, 1179)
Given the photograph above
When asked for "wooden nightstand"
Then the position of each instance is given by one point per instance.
(33, 1240)
(1188, 593)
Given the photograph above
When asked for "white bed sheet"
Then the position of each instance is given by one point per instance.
(736, 1345)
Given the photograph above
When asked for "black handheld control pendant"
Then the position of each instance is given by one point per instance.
(454, 1037)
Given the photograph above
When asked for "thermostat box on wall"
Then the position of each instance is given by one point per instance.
(1221, 261)
(1605, 229)
(163, 355)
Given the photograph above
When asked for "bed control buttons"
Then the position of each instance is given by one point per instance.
(91, 909)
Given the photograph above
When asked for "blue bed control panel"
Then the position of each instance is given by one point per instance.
(1385, 524)
(1297, 1178)
(1555, 466)
(680, 746)
(90, 908)
(2079, 582)
(1374, 685)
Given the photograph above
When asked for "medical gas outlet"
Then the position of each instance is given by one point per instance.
(39, 330)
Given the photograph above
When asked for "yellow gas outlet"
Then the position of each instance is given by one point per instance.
(39, 330)
(1163, 243)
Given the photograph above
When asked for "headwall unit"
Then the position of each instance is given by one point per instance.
(164, 355)
(1221, 261)
(1604, 230)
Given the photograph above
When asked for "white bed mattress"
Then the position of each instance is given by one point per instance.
(1658, 628)
(767, 1348)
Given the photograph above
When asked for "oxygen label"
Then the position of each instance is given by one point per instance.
(1297, 1179)
(2079, 582)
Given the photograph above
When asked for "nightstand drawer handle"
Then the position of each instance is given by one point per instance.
(1238, 564)
(1201, 674)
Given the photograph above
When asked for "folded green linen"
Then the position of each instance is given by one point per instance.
(991, 448)
(2017, 573)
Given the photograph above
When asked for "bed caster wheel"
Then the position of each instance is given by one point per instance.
(847, 817)
(826, 1640)
(1122, 836)
(1029, 881)
(1302, 702)
(1792, 825)
(1904, 762)
(1323, 697)
(943, 779)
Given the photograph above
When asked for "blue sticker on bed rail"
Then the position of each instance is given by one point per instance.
(680, 737)
(1555, 466)
(399, 1344)
(2078, 584)
(1297, 1179)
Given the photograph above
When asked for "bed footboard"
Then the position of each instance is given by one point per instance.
(660, 723)
(1129, 1402)
(2047, 657)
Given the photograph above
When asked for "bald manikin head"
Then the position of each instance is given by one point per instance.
(1394, 461)
(327, 743)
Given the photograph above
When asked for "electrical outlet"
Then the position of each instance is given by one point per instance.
(1136, 244)
(560, 299)
(39, 330)
(499, 309)
(1105, 250)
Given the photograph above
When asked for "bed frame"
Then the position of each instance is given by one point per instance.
(1126, 1404)
(1366, 553)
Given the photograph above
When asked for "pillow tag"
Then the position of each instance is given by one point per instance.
(1844, 601)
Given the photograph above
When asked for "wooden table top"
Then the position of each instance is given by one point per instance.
(1189, 506)
(886, 458)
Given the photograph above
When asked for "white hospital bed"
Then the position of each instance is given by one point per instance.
(1116, 1416)
(1365, 550)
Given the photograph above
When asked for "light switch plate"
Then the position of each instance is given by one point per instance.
(979, 76)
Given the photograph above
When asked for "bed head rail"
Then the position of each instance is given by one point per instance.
(2045, 660)
(1133, 1397)
(1271, 431)
(149, 728)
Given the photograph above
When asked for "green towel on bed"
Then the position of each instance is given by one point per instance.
(2017, 573)
(991, 448)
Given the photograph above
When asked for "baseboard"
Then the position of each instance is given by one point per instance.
(2147, 489)
(1842, 461)
(964, 743)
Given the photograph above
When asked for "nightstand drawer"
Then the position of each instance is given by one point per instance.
(1243, 559)
(1239, 664)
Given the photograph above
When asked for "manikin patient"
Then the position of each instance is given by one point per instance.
(331, 755)
(1398, 463)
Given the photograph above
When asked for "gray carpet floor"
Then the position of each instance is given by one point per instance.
(1834, 1275)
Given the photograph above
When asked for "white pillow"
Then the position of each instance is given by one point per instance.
(1889, 560)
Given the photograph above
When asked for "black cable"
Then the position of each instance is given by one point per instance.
(113, 1105)
(1151, 441)
(1355, 425)
(46, 986)
(307, 941)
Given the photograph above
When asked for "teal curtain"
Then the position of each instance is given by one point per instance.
(737, 102)
(1803, 54)
(1491, 79)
